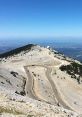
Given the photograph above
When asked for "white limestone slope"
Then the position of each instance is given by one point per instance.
(31, 84)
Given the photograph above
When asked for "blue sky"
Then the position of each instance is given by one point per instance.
(40, 18)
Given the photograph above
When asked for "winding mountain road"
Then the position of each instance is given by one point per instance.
(30, 86)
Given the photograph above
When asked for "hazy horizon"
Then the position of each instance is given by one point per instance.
(57, 23)
(69, 47)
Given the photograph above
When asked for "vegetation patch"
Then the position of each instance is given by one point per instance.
(74, 69)
(2, 82)
(14, 73)
(21, 93)
(16, 51)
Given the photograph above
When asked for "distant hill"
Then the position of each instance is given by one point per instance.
(16, 51)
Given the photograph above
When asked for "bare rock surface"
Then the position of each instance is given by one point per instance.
(32, 85)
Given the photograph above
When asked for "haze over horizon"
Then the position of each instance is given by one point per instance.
(40, 18)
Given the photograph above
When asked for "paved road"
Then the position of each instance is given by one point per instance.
(57, 95)
(30, 86)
